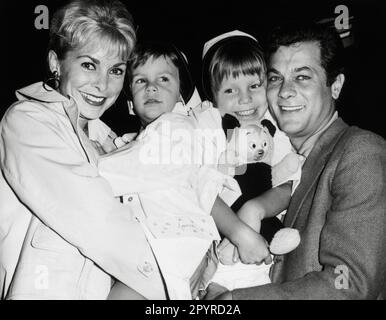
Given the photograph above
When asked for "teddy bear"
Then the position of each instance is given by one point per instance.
(248, 157)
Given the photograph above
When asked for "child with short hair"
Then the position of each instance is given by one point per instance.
(234, 79)
(161, 176)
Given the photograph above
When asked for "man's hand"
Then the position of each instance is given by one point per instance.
(217, 292)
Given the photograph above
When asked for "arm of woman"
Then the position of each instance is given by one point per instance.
(47, 168)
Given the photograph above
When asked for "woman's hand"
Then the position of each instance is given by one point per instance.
(125, 139)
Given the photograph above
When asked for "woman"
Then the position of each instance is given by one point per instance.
(61, 231)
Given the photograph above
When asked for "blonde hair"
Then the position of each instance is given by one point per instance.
(79, 22)
(229, 58)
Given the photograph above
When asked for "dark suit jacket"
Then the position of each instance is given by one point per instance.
(339, 209)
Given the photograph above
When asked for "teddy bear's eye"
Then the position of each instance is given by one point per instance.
(253, 145)
(265, 144)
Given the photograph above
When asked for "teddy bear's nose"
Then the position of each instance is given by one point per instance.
(260, 152)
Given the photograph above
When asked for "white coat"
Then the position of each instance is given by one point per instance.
(61, 230)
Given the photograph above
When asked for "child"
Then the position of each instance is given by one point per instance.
(161, 176)
(234, 78)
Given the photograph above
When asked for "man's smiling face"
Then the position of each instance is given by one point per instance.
(297, 90)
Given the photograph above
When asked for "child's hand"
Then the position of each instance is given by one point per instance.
(252, 214)
(253, 248)
(217, 292)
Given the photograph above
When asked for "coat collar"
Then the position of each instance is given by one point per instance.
(97, 130)
(313, 166)
(46, 94)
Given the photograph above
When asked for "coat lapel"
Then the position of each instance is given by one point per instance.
(313, 167)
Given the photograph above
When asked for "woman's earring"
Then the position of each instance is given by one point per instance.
(53, 82)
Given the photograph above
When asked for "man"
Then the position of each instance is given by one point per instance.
(339, 207)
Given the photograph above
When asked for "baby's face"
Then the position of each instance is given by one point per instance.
(243, 97)
(155, 88)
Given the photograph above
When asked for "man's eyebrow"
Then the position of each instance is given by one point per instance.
(302, 69)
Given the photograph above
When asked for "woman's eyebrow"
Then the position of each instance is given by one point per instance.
(96, 61)
(119, 64)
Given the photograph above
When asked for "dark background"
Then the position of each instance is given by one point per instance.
(189, 24)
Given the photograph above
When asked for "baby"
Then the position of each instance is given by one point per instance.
(162, 176)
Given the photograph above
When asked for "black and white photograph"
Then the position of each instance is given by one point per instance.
(194, 150)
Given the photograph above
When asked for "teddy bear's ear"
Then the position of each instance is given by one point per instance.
(229, 122)
(269, 125)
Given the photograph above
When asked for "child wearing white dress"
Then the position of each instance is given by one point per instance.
(163, 175)
(234, 79)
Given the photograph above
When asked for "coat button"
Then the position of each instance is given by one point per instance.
(146, 269)
(130, 199)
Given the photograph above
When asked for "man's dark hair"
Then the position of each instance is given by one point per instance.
(331, 47)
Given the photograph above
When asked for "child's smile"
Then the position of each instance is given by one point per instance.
(244, 97)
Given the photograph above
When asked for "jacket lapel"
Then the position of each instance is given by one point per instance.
(313, 167)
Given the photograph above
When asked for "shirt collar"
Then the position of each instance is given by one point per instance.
(307, 145)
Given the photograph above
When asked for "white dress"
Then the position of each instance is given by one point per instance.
(163, 177)
(242, 275)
